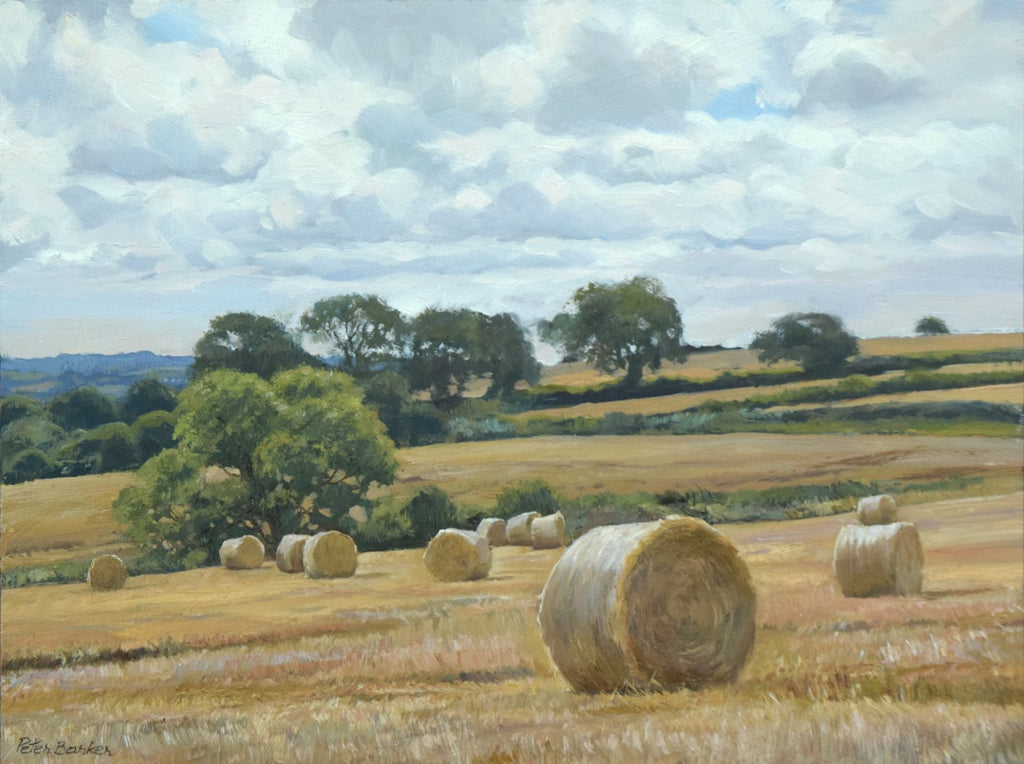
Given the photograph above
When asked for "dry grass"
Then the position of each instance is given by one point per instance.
(942, 343)
(51, 521)
(391, 666)
(625, 464)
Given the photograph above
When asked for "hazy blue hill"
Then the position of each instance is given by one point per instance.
(43, 378)
(94, 363)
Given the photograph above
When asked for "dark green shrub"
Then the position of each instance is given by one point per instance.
(527, 496)
(31, 464)
(430, 510)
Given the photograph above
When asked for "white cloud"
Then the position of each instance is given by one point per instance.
(508, 152)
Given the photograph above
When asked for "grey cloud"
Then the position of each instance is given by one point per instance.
(185, 237)
(120, 158)
(361, 218)
(852, 81)
(404, 44)
(91, 209)
(520, 212)
(12, 254)
(606, 83)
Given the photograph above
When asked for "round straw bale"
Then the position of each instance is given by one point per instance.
(638, 606)
(242, 553)
(107, 573)
(493, 529)
(289, 552)
(876, 510)
(873, 560)
(457, 555)
(548, 532)
(517, 529)
(331, 554)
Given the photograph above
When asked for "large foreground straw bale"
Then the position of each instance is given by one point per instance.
(493, 529)
(666, 604)
(289, 552)
(107, 573)
(242, 553)
(548, 532)
(517, 529)
(876, 510)
(331, 554)
(457, 555)
(873, 560)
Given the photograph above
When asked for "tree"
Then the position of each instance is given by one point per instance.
(154, 432)
(629, 325)
(146, 395)
(817, 341)
(364, 329)
(288, 455)
(248, 343)
(445, 349)
(505, 353)
(409, 422)
(82, 409)
(931, 325)
(15, 407)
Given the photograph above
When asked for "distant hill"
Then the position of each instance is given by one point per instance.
(43, 378)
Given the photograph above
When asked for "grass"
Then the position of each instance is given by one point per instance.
(390, 666)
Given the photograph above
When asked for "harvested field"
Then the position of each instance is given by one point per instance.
(624, 464)
(391, 666)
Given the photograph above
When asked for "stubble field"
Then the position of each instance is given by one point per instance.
(259, 666)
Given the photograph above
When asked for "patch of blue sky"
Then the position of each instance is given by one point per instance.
(865, 7)
(173, 23)
(743, 102)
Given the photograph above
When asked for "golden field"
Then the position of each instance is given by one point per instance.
(212, 665)
(261, 666)
(51, 521)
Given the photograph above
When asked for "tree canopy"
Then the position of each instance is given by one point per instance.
(248, 343)
(445, 352)
(288, 455)
(817, 341)
(629, 325)
(931, 325)
(363, 329)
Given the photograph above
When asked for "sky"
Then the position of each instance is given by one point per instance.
(162, 163)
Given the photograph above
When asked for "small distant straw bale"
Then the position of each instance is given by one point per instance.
(876, 510)
(242, 553)
(331, 554)
(107, 573)
(493, 529)
(517, 529)
(640, 606)
(458, 555)
(548, 532)
(874, 560)
(289, 552)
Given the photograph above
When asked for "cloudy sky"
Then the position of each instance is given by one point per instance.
(162, 163)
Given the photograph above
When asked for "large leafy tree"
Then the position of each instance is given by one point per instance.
(248, 343)
(817, 341)
(631, 325)
(288, 455)
(505, 354)
(445, 352)
(363, 329)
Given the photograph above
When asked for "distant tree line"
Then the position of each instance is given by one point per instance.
(83, 431)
